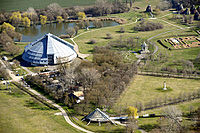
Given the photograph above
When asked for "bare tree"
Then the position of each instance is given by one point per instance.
(131, 126)
(55, 9)
(88, 77)
(171, 123)
(70, 31)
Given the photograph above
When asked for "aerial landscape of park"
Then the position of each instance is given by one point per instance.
(104, 66)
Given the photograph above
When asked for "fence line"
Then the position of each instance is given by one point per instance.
(150, 73)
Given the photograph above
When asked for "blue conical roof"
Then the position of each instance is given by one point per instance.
(48, 49)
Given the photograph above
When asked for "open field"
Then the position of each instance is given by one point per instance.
(144, 89)
(21, 113)
(99, 35)
(24, 4)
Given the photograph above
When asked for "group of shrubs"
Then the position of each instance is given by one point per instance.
(148, 26)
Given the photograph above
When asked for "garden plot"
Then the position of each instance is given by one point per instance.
(184, 42)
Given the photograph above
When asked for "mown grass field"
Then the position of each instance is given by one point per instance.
(21, 113)
(144, 89)
(24, 4)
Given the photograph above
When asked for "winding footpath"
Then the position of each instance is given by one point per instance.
(140, 57)
(64, 114)
(83, 56)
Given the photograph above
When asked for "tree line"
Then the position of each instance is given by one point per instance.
(54, 12)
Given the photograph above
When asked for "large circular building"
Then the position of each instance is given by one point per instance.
(49, 50)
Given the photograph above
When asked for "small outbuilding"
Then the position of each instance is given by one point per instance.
(97, 116)
(49, 50)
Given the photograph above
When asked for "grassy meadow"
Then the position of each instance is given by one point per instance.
(145, 88)
(21, 113)
(11, 5)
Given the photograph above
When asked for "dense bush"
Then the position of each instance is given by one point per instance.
(122, 30)
(98, 24)
(3, 73)
(92, 41)
(148, 26)
(103, 7)
(108, 36)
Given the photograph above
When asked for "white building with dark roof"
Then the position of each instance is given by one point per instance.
(49, 50)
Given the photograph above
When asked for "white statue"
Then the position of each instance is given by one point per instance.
(144, 48)
(164, 86)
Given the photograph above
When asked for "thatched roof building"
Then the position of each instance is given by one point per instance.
(97, 116)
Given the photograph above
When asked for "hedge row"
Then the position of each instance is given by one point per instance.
(159, 41)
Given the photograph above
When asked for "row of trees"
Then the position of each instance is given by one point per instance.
(104, 7)
(55, 12)
(16, 18)
(148, 26)
(168, 100)
(7, 35)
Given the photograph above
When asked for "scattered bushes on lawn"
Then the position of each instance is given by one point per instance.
(122, 30)
(148, 26)
(3, 73)
(108, 36)
(92, 41)
(98, 24)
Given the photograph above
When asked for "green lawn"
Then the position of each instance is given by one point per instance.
(144, 89)
(24, 4)
(99, 35)
(22, 114)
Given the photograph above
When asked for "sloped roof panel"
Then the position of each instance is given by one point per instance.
(48, 45)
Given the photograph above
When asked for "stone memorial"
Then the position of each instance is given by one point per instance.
(164, 86)
(144, 49)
